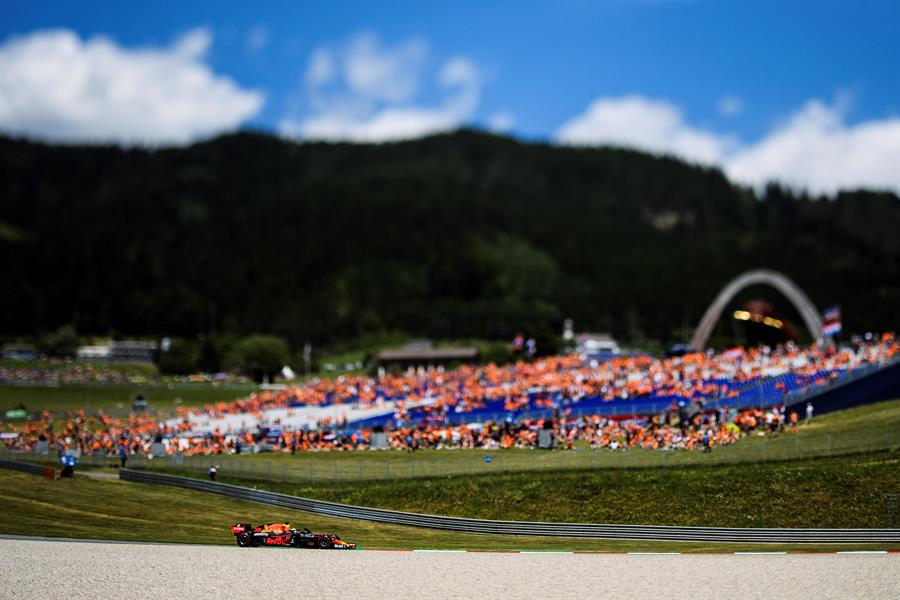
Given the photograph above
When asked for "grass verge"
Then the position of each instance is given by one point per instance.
(100, 509)
(839, 492)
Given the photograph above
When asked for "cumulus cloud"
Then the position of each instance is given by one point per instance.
(59, 87)
(814, 150)
(642, 123)
(817, 150)
(366, 91)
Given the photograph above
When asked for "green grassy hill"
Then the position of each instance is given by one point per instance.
(833, 472)
(841, 492)
(456, 235)
(101, 509)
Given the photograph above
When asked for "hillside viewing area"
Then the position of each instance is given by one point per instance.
(692, 402)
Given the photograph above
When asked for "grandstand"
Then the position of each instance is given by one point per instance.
(632, 399)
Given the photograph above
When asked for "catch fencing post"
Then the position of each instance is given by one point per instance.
(891, 501)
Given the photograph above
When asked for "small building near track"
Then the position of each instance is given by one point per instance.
(422, 353)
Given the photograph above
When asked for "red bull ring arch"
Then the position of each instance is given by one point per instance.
(808, 311)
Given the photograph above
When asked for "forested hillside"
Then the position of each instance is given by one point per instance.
(456, 235)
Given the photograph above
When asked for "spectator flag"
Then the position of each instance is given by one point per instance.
(832, 325)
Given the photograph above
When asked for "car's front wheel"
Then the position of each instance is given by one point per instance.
(324, 543)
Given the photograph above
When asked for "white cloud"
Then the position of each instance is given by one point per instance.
(379, 73)
(639, 122)
(814, 150)
(387, 124)
(59, 87)
(730, 106)
(257, 38)
(501, 122)
(365, 91)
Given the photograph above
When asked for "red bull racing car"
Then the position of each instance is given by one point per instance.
(282, 534)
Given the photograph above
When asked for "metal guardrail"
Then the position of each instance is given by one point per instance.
(34, 469)
(600, 531)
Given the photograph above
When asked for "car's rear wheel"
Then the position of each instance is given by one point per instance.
(324, 543)
(244, 540)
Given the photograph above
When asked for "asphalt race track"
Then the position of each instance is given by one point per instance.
(74, 569)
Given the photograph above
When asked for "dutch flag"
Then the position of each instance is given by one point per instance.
(832, 325)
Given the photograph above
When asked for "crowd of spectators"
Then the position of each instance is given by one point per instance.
(687, 422)
(673, 430)
(68, 372)
(542, 383)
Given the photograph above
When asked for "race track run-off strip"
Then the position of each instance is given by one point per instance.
(454, 551)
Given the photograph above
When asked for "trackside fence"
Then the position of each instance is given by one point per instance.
(583, 530)
(370, 465)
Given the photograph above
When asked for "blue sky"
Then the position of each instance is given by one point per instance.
(768, 90)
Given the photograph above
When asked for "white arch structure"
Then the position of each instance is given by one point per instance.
(808, 311)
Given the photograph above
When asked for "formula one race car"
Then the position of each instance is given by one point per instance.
(282, 534)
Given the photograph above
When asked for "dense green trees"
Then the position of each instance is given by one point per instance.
(260, 356)
(458, 235)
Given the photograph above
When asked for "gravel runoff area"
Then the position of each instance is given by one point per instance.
(74, 569)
